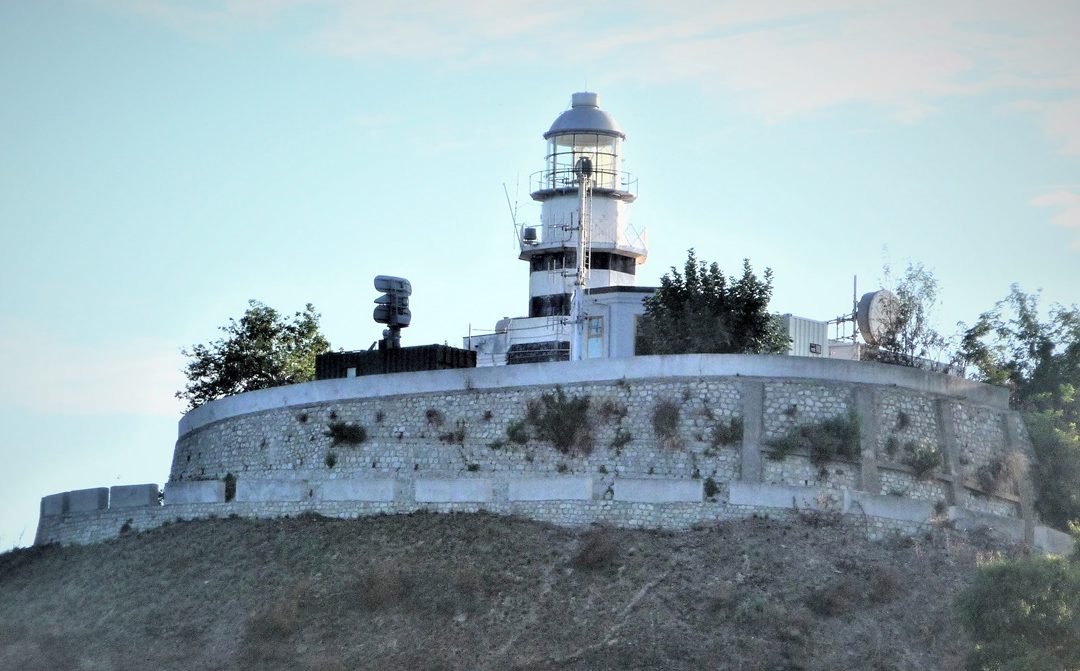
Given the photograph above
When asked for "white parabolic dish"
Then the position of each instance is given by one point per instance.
(878, 311)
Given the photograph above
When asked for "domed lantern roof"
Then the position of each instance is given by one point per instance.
(585, 116)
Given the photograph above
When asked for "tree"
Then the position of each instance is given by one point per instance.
(910, 339)
(260, 350)
(1023, 614)
(701, 310)
(1039, 362)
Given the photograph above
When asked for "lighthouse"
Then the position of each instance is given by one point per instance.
(583, 256)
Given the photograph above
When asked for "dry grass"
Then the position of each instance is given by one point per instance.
(479, 592)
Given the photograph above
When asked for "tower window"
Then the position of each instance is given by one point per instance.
(555, 305)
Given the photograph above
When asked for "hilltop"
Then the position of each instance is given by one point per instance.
(442, 592)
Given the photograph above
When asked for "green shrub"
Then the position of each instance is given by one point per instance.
(455, 436)
(621, 439)
(1023, 615)
(344, 433)
(517, 432)
(892, 446)
(230, 486)
(665, 420)
(836, 437)
(611, 410)
(711, 488)
(562, 420)
(331, 459)
(923, 458)
(727, 433)
(434, 417)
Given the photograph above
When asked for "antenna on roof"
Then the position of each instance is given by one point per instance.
(513, 211)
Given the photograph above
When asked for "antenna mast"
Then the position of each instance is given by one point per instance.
(583, 169)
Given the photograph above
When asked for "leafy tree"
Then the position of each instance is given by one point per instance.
(910, 338)
(260, 350)
(1023, 615)
(1039, 361)
(702, 310)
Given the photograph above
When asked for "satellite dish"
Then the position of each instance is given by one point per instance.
(877, 315)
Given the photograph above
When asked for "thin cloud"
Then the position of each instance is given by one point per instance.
(56, 376)
(781, 60)
(1059, 119)
(1068, 217)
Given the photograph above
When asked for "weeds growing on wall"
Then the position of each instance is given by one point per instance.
(230, 487)
(561, 420)
(611, 410)
(331, 459)
(345, 433)
(1002, 475)
(836, 437)
(455, 436)
(622, 439)
(922, 458)
(727, 433)
(711, 488)
(517, 432)
(434, 417)
(665, 421)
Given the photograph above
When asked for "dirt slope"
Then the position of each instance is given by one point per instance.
(483, 592)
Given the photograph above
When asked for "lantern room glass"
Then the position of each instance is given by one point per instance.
(565, 150)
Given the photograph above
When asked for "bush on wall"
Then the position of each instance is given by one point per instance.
(836, 437)
(561, 420)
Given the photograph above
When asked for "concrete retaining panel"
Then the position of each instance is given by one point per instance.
(774, 496)
(967, 520)
(550, 489)
(1052, 541)
(271, 490)
(133, 496)
(88, 500)
(357, 490)
(658, 491)
(54, 504)
(889, 507)
(195, 491)
(455, 490)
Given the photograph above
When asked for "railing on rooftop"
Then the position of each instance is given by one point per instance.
(564, 179)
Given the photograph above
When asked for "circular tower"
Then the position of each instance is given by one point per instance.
(585, 240)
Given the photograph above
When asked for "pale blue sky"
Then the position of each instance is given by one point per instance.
(161, 163)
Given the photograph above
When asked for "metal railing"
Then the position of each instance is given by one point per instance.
(564, 179)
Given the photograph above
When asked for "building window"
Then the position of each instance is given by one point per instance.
(595, 345)
(554, 305)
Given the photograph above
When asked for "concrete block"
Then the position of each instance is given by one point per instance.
(195, 491)
(271, 490)
(54, 504)
(967, 520)
(357, 490)
(658, 491)
(87, 500)
(889, 507)
(133, 496)
(775, 496)
(457, 490)
(550, 489)
(1052, 541)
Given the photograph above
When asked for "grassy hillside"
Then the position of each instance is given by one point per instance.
(483, 592)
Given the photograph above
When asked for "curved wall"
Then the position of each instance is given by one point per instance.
(439, 441)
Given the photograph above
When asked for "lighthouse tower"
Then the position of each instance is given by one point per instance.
(583, 256)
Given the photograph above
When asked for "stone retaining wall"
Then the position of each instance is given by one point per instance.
(648, 452)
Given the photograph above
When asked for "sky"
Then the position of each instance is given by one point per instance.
(162, 163)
